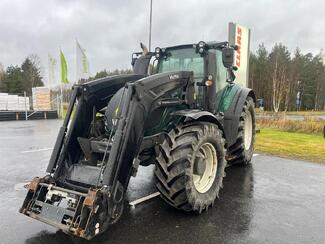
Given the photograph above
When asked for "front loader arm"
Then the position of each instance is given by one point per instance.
(140, 99)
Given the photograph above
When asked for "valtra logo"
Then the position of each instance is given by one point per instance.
(238, 43)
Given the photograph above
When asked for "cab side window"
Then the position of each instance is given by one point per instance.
(221, 72)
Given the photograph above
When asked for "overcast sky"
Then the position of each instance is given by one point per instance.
(111, 30)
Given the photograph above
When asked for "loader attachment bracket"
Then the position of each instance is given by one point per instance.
(74, 212)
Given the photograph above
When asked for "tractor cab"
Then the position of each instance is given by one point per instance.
(207, 61)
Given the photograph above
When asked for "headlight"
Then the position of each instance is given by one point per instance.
(201, 44)
(209, 82)
(157, 52)
(200, 47)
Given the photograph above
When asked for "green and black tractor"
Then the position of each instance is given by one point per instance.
(179, 110)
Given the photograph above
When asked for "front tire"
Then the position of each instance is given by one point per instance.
(242, 151)
(191, 165)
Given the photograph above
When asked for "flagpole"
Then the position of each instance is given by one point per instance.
(76, 73)
(61, 100)
(49, 71)
(61, 88)
(150, 25)
(82, 64)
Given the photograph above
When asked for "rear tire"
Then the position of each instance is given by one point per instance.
(191, 165)
(242, 151)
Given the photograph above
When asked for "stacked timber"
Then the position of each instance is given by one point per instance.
(41, 98)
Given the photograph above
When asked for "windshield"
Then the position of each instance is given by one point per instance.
(185, 59)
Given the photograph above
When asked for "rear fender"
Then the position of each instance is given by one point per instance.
(233, 112)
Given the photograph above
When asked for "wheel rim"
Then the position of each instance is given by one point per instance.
(205, 167)
(248, 130)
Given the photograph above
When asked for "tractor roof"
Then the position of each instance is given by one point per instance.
(193, 45)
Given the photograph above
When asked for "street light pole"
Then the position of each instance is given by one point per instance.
(299, 95)
(26, 117)
(150, 25)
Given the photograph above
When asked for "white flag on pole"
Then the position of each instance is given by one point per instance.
(52, 69)
(82, 63)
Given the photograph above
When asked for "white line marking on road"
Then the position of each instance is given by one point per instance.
(255, 154)
(143, 199)
(37, 150)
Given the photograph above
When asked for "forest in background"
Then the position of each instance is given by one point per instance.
(19, 79)
(277, 76)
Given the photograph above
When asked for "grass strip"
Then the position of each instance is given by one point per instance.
(309, 147)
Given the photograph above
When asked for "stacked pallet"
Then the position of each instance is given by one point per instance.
(41, 98)
(41, 101)
(3, 101)
(12, 102)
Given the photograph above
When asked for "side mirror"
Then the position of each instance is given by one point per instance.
(228, 57)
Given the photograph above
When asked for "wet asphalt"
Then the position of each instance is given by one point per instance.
(274, 200)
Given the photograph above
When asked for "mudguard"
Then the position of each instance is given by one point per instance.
(233, 111)
(199, 115)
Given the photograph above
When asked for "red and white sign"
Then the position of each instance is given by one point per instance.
(240, 36)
